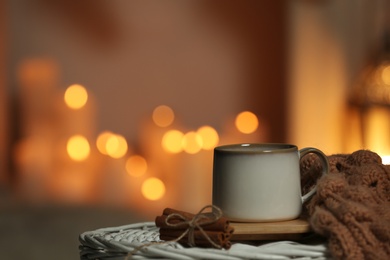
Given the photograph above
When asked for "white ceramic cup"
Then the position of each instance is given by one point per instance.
(260, 182)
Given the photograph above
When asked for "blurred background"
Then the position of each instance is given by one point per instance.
(110, 110)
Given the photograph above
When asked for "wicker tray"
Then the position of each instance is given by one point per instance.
(120, 243)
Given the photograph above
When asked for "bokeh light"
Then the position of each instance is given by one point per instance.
(163, 116)
(246, 122)
(101, 141)
(209, 137)
(78, 148)
(76, 96)
(386, 74)
(172, 141)
(385, 159)
(153, 189)
(116, 146)
(192, 142)
(136, 165)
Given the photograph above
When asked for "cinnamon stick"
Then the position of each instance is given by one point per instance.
(174, 223)
(221, 224)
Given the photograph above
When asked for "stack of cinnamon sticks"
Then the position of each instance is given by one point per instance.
(175, 224)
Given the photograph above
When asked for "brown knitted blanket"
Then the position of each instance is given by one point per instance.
(352, 204)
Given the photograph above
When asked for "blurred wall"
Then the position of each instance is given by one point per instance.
(330, 42)
(291, 62)
(207, 61)
(4, 127)
(262, 27)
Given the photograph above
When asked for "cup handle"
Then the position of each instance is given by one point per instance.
(324, 163)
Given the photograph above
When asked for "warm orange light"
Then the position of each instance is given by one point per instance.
(116, 146)
(78, 148)
(376, 129)
(209, 137)
(136, 165)
(385, 159)
(247, 122)
(153, 189)
(101, 141)
(386, 75)
(192, 142)
(163, 116)
(76, 96)
(172, 141)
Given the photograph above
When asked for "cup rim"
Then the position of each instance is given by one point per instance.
(253, 148)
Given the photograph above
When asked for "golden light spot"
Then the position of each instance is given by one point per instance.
(136, 165)
(78, 148)
(116, 146)
(172, 141)
(101, 141)
(246, 122)
(192, 142)
(386, 159)
(76, 96)
(153, 189)
(386, 75)
(209, 137)
(163, 116)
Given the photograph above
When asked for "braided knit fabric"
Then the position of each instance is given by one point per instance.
(352, 204)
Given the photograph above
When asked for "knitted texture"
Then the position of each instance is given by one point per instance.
(352, 204)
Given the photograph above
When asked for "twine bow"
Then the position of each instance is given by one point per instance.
(199, 220)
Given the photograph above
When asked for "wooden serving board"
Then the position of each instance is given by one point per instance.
(292, 229)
